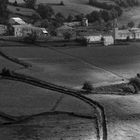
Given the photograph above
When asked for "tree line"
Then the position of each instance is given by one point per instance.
(120, 3)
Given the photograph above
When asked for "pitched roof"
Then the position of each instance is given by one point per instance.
(17, 20)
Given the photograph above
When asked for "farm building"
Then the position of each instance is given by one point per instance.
(93, 38)
(3, 29)
(25, 30)
(98, 38)
(16, 21)
(108, 40)
(133, 33)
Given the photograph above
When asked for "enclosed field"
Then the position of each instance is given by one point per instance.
(73, 66)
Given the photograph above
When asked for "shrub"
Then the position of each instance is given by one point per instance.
(87, 86)
(61, 3)
(128, 89)
(67, 35)
(135, 82)
(30, 38)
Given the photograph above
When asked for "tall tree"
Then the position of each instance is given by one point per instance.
(30, 3)
(45, 11)
(131, 24)
(3, 10)
(59, 18)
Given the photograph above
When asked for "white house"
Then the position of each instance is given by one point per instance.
(108, 40)
(133, 33)
(93, 38)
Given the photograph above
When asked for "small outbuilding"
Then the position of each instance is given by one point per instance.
(108, 40)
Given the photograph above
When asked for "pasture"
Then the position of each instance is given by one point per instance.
(72, 7)
(70, 67)
(73, 66)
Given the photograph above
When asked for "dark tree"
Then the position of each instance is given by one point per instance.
(70, 18)
(105, 15)
(131, 24)
(94, 16)
(35, 18)
(79, 17)
(59, 18)
(45, 23)
(61, 3)
(15, 3)
(3, 9)
(30, 3)
(67, 36)
(45, 11)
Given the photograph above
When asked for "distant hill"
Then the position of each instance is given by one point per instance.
(74, 7)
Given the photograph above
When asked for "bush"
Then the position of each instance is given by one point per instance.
(30, 38)
(61, 3)
(67, 35)
(87, 86)
(135, 82)
(128, 89)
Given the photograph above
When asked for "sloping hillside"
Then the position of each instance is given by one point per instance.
(74, 7)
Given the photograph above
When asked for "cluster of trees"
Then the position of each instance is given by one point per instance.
(102, 15)
(121, 3)
(110, 11)
(127, 3)
(30, 3)
(47, 18)
(3, 11)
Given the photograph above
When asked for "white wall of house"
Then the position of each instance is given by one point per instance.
(124, 34)
(94, 38)
(108, 40)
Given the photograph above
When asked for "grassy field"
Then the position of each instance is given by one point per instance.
(51, 127)
(73, 66)
(123, 115)
(19, 99)
(61, 68)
